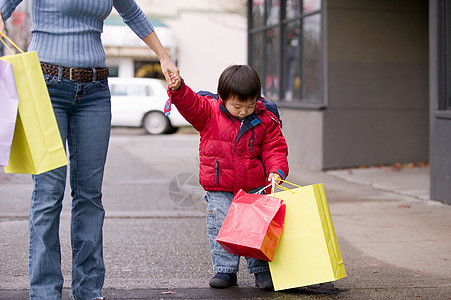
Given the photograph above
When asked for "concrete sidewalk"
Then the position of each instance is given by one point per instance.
(408, 179)
(395, 243)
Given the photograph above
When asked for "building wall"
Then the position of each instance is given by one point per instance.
(377, 83)
(208, 43)
(440, 142)
(440, 162)
(211, 35)
(303, 130)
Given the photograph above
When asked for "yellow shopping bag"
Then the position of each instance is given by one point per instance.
(308, 251)
(37, 146)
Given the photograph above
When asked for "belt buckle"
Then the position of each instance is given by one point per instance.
(71, 74)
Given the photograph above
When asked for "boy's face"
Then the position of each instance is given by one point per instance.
(240, 109)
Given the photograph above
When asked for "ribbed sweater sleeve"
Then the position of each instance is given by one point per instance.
(7, 7)
(133, 17)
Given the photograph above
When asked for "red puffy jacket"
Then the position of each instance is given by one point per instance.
(233, 155)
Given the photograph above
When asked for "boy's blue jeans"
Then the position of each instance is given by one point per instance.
(224, 262)
(83, 114)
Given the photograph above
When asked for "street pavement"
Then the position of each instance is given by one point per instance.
(395, 242)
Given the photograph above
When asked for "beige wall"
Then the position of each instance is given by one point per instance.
(211, 35)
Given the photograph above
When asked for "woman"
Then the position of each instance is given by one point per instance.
(66, 36)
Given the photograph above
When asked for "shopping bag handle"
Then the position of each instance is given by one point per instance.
(282, 187)
(273, 185)
(2, 35)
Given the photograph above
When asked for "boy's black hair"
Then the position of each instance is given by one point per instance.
(240, 81)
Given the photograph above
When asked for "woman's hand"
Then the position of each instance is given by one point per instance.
(170, 71)
(167, 66)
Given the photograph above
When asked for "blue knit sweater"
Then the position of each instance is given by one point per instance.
(67, 32)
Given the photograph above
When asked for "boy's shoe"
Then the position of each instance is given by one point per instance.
(264, 281)
(223, 280)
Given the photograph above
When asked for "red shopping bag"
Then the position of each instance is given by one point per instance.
(253, 226)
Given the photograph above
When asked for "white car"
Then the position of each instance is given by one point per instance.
(139, 102)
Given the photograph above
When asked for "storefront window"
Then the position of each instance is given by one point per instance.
(258, 13)
(113, 71)
(288, 57)
(293, 61)
(311, 5)
(311, 64)
(148, 69)
(273, 9)
(258, 52)
(272, 78)
(293, 8)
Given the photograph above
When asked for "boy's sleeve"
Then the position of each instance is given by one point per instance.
(194, 108)
(275, 151)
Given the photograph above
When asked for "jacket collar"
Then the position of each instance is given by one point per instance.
(249, 122)
(259, 107)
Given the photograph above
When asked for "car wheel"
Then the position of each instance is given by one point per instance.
(172, 130)
(155, 122)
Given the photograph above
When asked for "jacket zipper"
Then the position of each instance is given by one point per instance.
(217, 172)
(252, 138)
(236, 141)
(233, 154)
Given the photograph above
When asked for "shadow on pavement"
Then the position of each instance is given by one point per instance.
(311, 292)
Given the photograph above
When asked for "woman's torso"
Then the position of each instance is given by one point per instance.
(67, 32)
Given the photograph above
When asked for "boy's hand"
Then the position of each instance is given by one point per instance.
(176, 81)
(276, 176)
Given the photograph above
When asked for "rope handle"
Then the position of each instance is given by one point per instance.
(279, 186)
(2, 35)
(284, 188)
(273, 185)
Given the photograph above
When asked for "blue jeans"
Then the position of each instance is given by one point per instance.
(224, 262)
(83, 113)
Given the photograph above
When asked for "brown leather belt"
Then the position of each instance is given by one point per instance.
(75, 74)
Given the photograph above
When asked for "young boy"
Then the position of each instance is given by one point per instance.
(241, 147)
